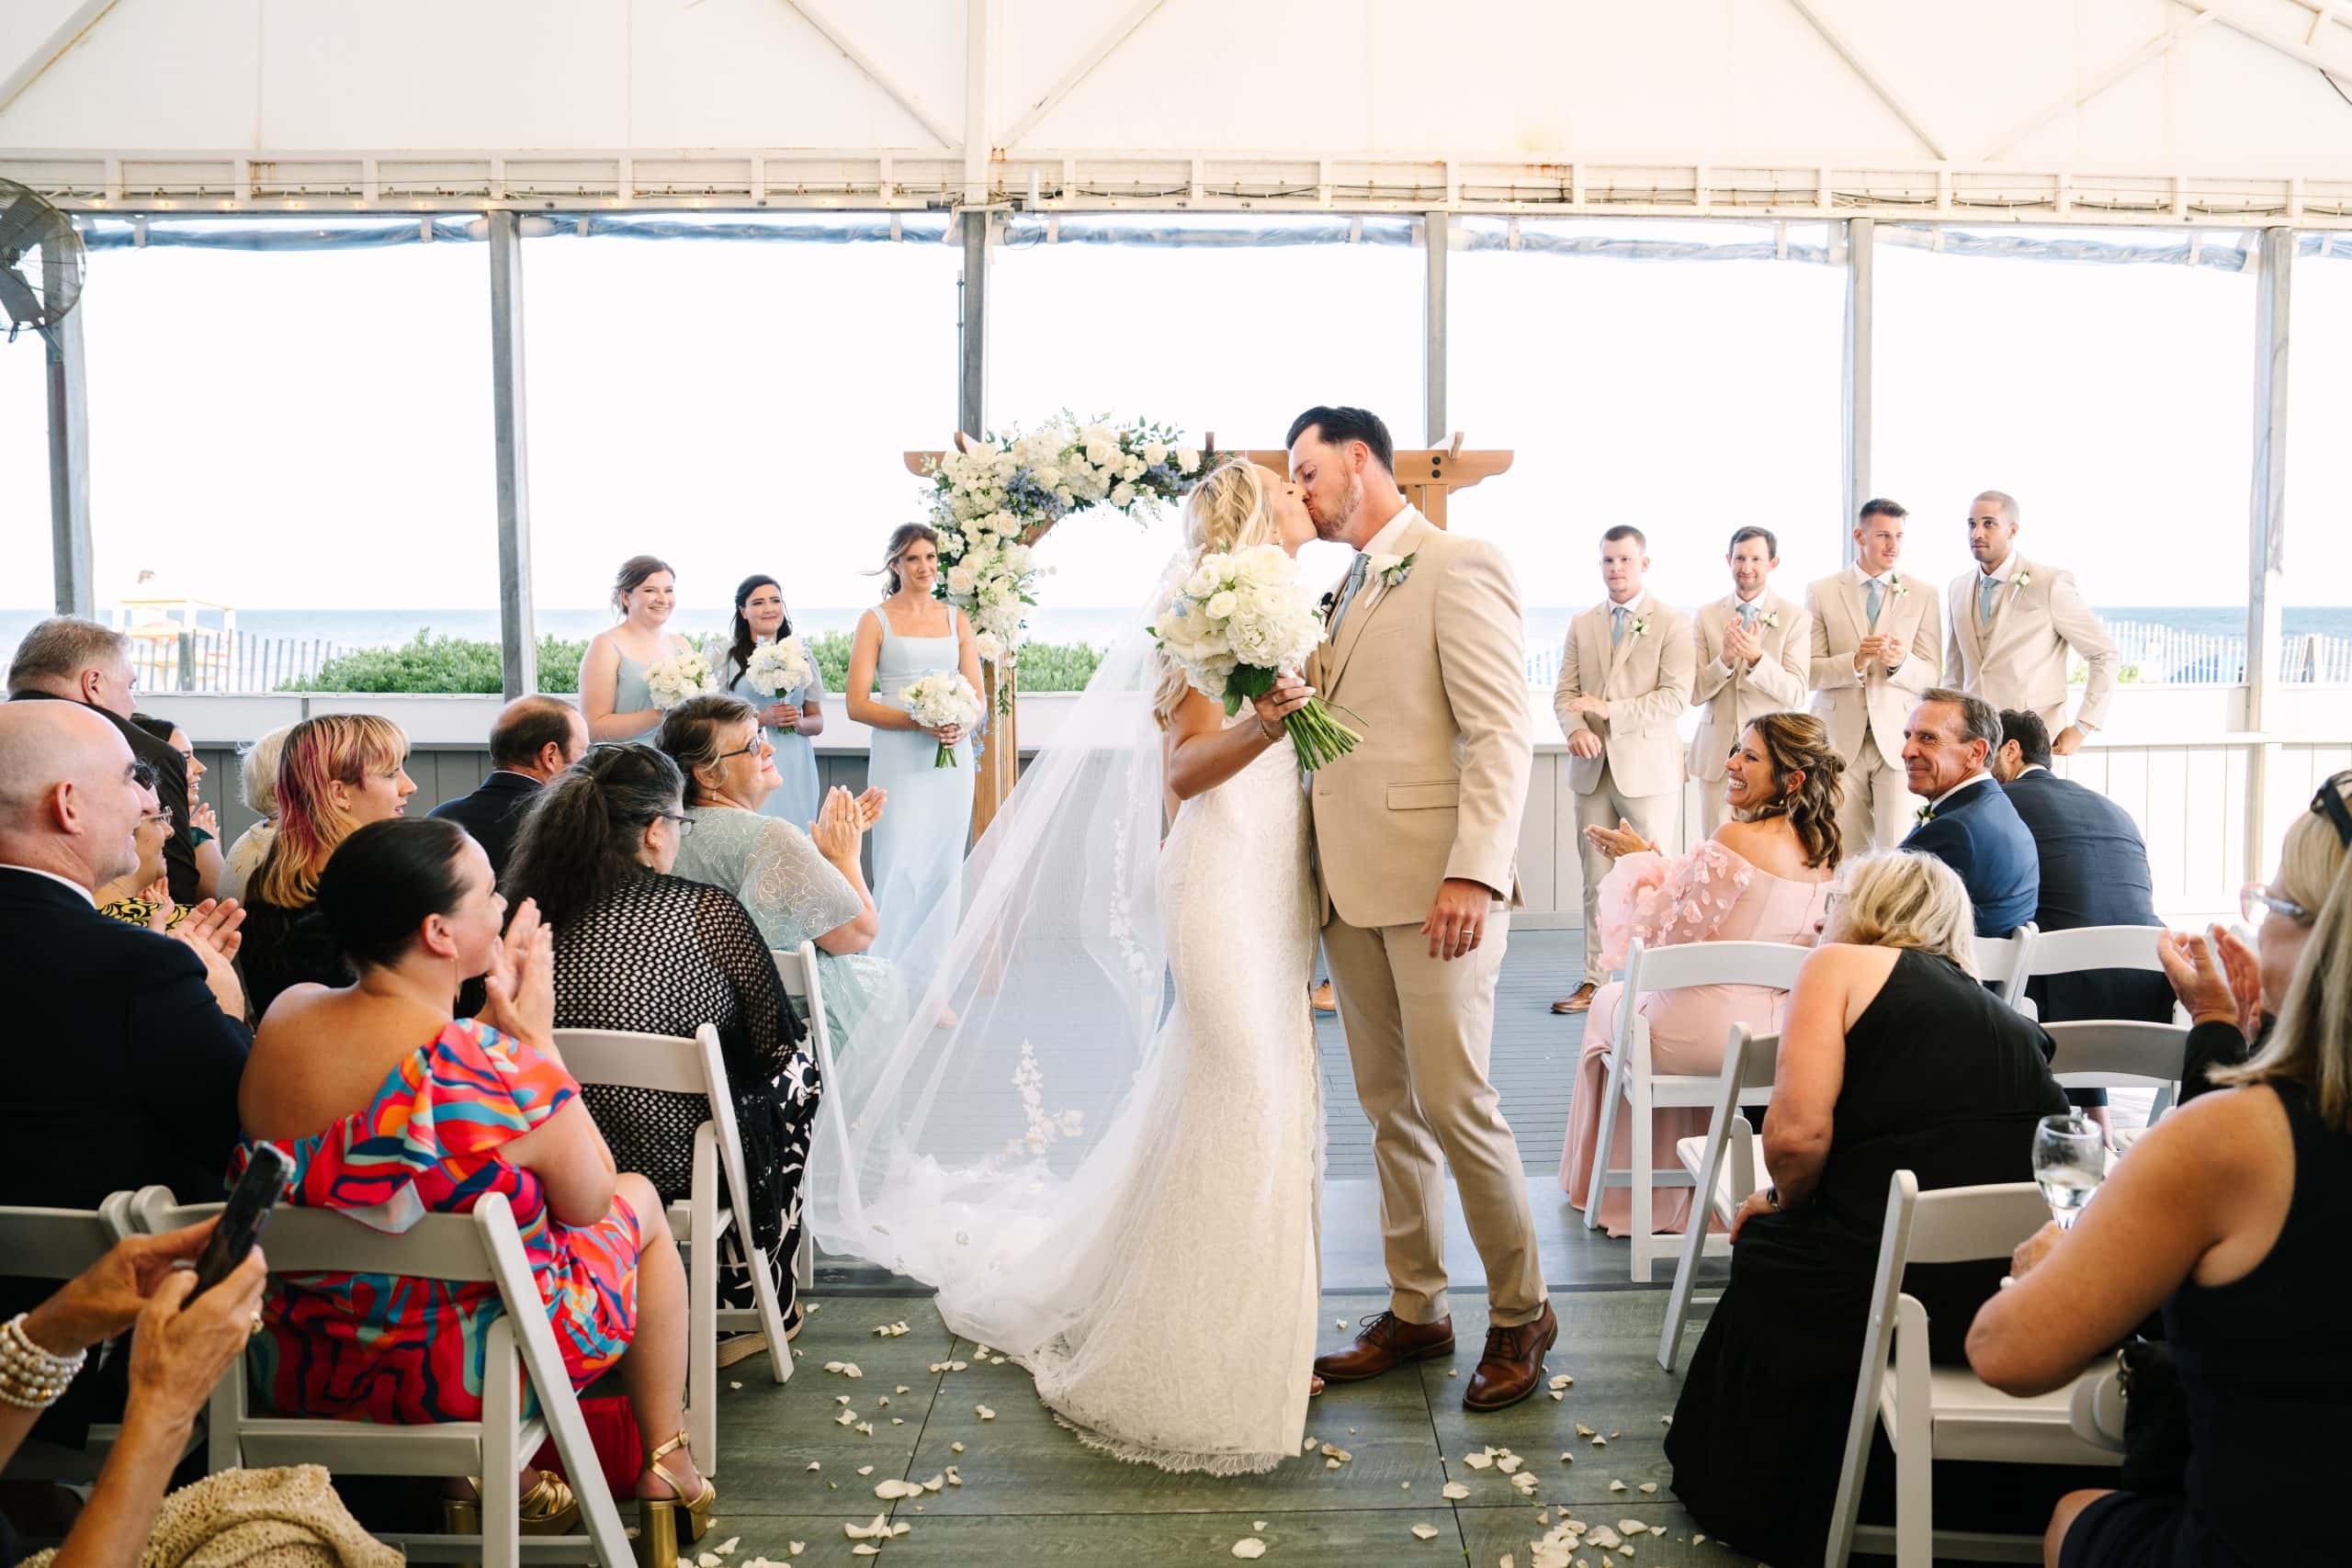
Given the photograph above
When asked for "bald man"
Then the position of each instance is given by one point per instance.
(124, 1046)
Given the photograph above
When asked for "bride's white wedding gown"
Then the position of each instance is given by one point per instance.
(1195, 1348)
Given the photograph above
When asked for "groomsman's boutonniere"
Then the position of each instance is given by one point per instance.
(1770, 619)
(1924, 815)
(1641, 626)
(1393, 570)
(1897, 586)
(2023, 579)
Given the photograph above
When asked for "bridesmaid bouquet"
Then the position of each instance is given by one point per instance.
(681, 675)
(780, 667)
(1238, 621)
(942, 697)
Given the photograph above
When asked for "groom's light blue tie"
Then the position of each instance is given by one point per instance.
(1873, 594)
(1356, 574)
(1617, 614)
(1986, 586)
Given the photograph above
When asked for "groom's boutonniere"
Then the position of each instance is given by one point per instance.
(1393, 570)
(1924, 815)
(1641, 626)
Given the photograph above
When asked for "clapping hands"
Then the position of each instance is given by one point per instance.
(2216, 976)
(521, 979)
(842, 821)
(1618, 840)
(211, 931)
(1741, 646)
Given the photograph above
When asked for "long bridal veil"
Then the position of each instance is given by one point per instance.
(979, 1120)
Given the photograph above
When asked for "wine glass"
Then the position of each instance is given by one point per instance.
(2069, 1162)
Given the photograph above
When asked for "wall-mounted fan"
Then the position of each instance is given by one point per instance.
(41, 261)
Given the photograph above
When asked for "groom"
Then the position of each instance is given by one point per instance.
(1415, 834)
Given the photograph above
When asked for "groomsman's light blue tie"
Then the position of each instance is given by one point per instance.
(1617, 614)
(1874, 593)
(1748, 617)
(1986, 586)
(1356, 573)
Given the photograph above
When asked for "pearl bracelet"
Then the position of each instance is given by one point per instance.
(31, 1377)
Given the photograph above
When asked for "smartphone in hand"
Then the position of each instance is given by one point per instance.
(251, 1204)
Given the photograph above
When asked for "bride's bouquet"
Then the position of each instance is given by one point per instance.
(1238, 621)
(681, 675)
(941, 698)
(779, 666)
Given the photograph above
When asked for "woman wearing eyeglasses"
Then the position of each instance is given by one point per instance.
(141, 896)
(2232, 992)
(799, 888)
(639, 946)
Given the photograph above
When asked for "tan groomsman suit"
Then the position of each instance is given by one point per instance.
(1866, 713)
(1730, 698)
(1433, 669)
(1643, 671)
(2016, 659)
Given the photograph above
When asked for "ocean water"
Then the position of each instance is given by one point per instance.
(1547, 625)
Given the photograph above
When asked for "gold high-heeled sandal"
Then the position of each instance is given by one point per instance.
(549, 1507)
(659, 1531)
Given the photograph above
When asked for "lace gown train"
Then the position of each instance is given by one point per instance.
(1193, 1351)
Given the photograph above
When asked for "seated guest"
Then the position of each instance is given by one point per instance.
(257, 781)
(125, 1045)
(2094, 872)
(203, 826)
(637, 948)
(66, 658)
(1894, 1057)
(798, 890)
(533, 740)
(2229, 1215)
(337, 773)
(424, 1113)
(1968, 822)
(1763, 877)
(141, 896)
(2231, 991)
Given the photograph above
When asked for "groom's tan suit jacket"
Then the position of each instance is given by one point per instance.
(1434, 671)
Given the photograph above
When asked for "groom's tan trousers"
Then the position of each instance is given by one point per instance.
(1419, 1029)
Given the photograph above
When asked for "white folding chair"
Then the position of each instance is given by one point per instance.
(1724, 1170)
(2001, 964)
(797, 967)
(2114, 1053)
(480, 1247)
(1932, 1412)
(59, 1244)
(664, 1061)
(2103, 947)
(1627, 1077)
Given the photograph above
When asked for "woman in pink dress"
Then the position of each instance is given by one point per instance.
(1763, 877)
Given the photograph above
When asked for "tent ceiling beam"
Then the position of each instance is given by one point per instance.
(1213, 181)
(1872, 76)
(51, 49)
(2234, 18)
(1102, 50)
(2098, 81)
(876, 71)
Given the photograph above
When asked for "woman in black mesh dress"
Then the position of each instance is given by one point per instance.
(639, 949)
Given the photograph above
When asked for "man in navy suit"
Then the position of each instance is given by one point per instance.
(2094, 872)
(1968, 822)
(533, 739)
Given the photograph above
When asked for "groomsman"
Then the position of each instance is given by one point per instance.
(1876, 648)
(1752, 655)
(1624, 680)
(2012, 622)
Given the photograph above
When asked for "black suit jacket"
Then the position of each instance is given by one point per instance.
(492, 814)
(171, 790)
(1977, 833)
(2094, 872)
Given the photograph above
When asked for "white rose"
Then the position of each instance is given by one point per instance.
(1102, 453)
(1222, 603)
(1047, 476)
(959, 578)
(1188, 459)
(987, 645)
(1155, 452)
(1123, 494)
(1017, 557)
(1265, 564)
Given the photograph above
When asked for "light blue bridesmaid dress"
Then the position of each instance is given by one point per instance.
(797, 800)
(919, 843)
(630, 694)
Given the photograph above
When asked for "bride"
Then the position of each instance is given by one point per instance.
(1110, 1181)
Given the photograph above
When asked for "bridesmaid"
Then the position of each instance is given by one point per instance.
(919, 843)
(791, 719)
(613, 693)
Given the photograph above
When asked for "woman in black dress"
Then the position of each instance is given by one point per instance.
(2229, 1214)
(1894, 1057)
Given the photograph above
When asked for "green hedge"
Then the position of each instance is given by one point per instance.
(461, 665)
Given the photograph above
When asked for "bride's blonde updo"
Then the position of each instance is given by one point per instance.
(1224, 513)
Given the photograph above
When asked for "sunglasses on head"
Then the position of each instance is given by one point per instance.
(2329, 803)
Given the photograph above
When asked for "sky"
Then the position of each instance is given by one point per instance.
(313, 429)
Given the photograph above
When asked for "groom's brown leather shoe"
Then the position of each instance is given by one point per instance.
(1578, 1000)
(1512, 1367)
(1387, 1343)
